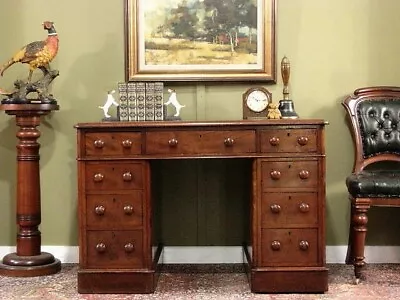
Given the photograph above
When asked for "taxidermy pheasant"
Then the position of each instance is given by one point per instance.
(37, 54)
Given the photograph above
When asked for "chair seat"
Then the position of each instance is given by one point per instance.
(374, 184)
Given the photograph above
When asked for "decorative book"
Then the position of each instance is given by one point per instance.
(123, 101)
(140, 100)
(158, 101)
(149, 101)
(132, 103)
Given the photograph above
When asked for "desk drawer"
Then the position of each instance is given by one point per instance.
(113, 143)
(289, 140)
(122, 211)
(112, 249)
(114, 176)
(200, 142)
(289, 174)
(282, 210)
(289, 247)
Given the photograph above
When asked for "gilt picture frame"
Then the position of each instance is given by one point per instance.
(200, 40)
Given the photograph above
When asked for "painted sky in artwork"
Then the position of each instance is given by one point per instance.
(152, 5)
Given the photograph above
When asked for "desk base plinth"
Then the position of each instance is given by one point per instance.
(117, 281)
(289, 280)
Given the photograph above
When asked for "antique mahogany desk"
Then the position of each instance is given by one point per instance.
(287, 231)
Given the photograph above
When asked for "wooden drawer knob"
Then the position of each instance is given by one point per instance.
(228, 142)
(127, 176)
(127, 144)
(274, 141)
(98, 177)
(129, 248)
(101, 247)
(276, 208)
(173, 143)
(303, 245)
(304, 207)
(100, 210)
(275, 175)
(303, 140)
(98, 144)
(128, 209)
(276, 245)
(304, 174)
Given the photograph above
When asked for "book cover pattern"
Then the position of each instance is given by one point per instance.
(158, 101)
(149, 101)
(132, 103)
(140, 100)
(123, 101)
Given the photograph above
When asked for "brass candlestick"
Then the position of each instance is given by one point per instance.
(286, 106)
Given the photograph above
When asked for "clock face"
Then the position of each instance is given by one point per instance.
(257, 101)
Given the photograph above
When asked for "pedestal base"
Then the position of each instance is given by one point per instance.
(29, 266)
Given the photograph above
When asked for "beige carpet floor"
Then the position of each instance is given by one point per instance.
(381, 282)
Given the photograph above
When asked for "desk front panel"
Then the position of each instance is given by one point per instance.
(200, 142)
(100, 144)
(292, 173)
(289, 140)
(115, 249)
(107, 175)
(286, 209)
(287, 199)
(115, 211)
(289, 247)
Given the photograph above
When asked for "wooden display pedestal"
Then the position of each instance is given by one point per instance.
(28, 260)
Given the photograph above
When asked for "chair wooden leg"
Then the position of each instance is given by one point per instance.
(350, 248)
(359, 223)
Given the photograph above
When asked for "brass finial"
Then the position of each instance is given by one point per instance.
(285, 71)
(286, 106)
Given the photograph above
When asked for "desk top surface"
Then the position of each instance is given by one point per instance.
(178, 124)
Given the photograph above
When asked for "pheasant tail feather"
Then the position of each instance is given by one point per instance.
(6, 66)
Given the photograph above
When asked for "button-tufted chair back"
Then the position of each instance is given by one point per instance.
(379, 125)
(374, 115)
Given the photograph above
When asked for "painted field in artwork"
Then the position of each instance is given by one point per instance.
(199, 32)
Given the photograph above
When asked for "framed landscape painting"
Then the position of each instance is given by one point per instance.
(200, 40)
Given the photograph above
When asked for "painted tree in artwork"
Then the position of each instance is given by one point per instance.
(221, 21)
(224, 18)
(202, 32)
(183, 21)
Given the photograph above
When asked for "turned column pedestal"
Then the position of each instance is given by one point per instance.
(28, 260)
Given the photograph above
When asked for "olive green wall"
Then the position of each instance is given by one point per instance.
(334, 47)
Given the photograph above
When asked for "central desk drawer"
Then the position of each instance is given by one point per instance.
(200, 142)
